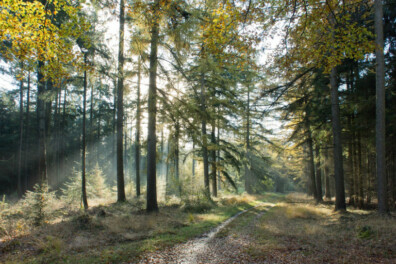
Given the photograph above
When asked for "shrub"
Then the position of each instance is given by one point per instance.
(198, 202)
(36, 203)
(95, 186)
(365, 232)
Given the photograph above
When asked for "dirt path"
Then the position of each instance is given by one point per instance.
(213, 247)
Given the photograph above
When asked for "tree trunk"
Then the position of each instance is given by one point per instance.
(204, 136)
(91, 129)
(83, 180)
(383, 207)
(359, 171)
(48, 110)
(336, 124)
(98, 135)
(167, 189)
(62, 143)
(193, 161)
(162, 164)
(27, 141)
(311, 161)
(42, 166)
(318, 175)
(213, 154)
(218, 155)
(177, 170)
(114, 136)
(56, 134)
(20, 161)
(120, 109)
(248, 184)
(352, 174)
(137, 136)
(327, 175)
(152, 112)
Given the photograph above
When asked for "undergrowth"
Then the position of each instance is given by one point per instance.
(298, 230)
(68, 234)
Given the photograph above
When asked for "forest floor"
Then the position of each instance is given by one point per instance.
(294, 230)
(274, 229)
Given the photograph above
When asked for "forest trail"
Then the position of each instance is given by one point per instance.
(216, 246)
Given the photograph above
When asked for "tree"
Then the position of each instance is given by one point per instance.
(380, 109)
(152, 111)
(83, 178)
(137, 136)
(338, 164)
(120, 108)
(310, 43)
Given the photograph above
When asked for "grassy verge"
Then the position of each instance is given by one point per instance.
(117, 233)
(299, 231)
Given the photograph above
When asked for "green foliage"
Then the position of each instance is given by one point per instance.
(51, 245)
(197, 202)
(95, 186)
(365, 232)
(37, 203)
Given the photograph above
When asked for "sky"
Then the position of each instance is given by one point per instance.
(7, 82)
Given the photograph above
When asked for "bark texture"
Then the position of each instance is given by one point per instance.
(336, 125)
(152, 112)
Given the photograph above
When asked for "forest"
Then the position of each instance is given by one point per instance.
(197, 131)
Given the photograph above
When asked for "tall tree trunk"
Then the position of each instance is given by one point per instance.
(394, 178)
(91, 128)
(248, 183)
(62, 152)
(27, 129)
(42, 166)
(352, 174)
(383, 207)
(114, 136)
(48, 110)
(120, 108)
(359, 170)
(218, 155)
(336, 124)
(137, 135)
(193, 160)
(370, 173)
(177, 169)
(20, 161)
(204, 136)
(167, 180)
(152, 112)
(162, 164)
(327, 175)
(311, 161)
(56, 135)
(126, 149)
(98, 128)
(318, 175)
(213, 154)
(83, 178)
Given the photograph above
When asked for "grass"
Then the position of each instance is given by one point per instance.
(297, 230)
(112, 232)
(293, 229)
